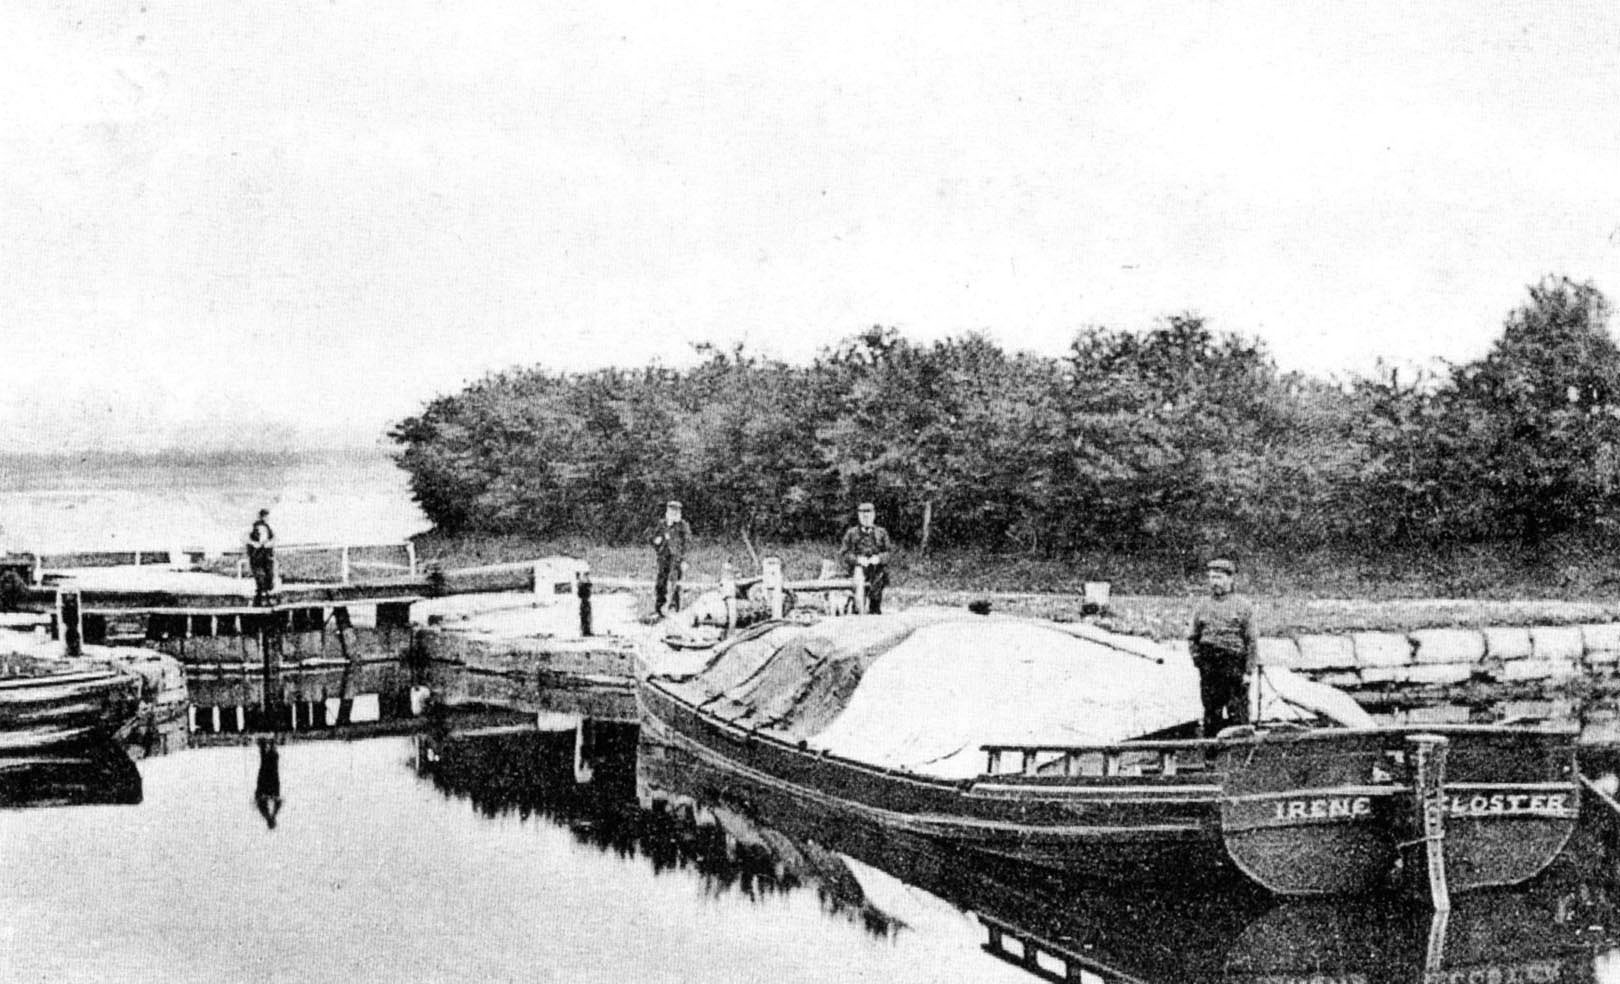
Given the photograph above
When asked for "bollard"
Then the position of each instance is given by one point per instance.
(582, 588)
(72, 621)
(771, 567)
(859, 575)
(344, 561)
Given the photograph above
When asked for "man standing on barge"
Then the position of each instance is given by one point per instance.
(1223, 648)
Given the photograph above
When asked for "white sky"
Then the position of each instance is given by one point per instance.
(296, 221)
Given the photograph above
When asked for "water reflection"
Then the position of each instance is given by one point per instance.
(83, 775)
(638, 799)
(267, 786)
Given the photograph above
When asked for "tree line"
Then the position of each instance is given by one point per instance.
(1179, 437)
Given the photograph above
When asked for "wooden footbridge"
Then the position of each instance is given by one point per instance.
(339, 622)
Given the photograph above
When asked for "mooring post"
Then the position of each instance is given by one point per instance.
(829, 599)
(771, 567)
(728, 592)
(68, 607)
(582, 589)
(1427, 753)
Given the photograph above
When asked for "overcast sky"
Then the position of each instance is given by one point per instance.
(228, 223)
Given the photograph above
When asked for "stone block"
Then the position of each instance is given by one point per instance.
(1385, 674)
(1557, 642)
(1507, 643)
(1449, 645)
(1439, 674)
(1537, 669)
(1273, 651)
(1602, 642)
(1438, 714)
(1381, 649)
(1326, 652)
(1533, 710)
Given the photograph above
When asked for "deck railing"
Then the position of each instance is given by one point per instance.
(1137, 758)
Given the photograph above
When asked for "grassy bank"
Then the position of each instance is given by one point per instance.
(1153, 593)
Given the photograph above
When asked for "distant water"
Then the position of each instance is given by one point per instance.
(108, 502)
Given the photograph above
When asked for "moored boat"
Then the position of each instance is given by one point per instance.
(46, 702)
(1070, 748)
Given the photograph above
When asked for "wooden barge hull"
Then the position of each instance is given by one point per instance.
(64, 708)
(1127, 832)
(1330, 812)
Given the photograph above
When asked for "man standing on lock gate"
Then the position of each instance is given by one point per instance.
(261, 556)
(866, 545)
(669, 540)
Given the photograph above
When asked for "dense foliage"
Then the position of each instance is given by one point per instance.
(1179, 438)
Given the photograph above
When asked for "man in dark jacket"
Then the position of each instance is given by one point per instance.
(261, 556)
(1223, 649)
(866, 545)
(669, 541)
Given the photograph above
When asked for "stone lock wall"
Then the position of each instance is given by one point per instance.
(1437, 657)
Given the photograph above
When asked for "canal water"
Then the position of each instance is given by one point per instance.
(491, 850)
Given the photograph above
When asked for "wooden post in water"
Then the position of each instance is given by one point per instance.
(582, 589)
(771, 567)
(1427, 754)
(269, 626)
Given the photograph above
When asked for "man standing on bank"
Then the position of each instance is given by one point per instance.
(669, 541)
(867, 546)
(1223, 649)
(261, 555)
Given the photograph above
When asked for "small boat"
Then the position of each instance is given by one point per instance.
(46, 702)
(1066, 747)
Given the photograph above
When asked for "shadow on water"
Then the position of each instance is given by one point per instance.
(77, 775)
(638, 799)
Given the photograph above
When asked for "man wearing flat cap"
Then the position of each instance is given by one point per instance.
(1223, 648)
(866, 545)
(261, 556)
(669, 541)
